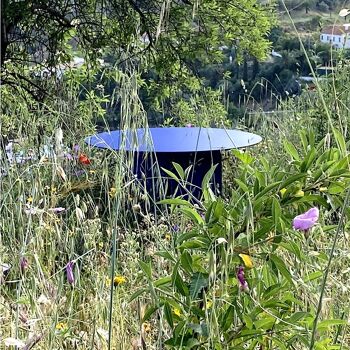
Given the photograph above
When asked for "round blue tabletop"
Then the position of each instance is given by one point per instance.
(173, 140)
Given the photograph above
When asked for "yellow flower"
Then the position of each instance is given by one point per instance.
(61, 326)
(323, 189)
(53, 189)
(177, 312)
(167, 237)
(209, 304)
(112, 192)
(283, 191)
(118, 280)
(299, 193)
(30, 200)
(146, 327)
(92, 171)
(247, 260)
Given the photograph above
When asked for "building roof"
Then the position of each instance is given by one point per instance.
(336, 29)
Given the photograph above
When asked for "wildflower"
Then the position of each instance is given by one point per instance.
(208, 304)
(304, 222)
(30, 200)
(177, 312)
(243, 284)
(176, 228)
(69, 271)
(299, 194)
(83, 159)
(19, 344)
(136, 207)
(146, 327)
(118, 280)
(57, 210)
(61, 326)
(247, 260)
(31, 210)
(168, 237)
(189, 125)
(221, 240)
(344, 12)
(112, 192)
(23, 263)
(283, 191)
(80, 214)
(76, 149)
(68, 156)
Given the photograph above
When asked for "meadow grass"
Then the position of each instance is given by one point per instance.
(106, 230)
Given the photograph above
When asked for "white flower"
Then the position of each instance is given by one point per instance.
(221, 240)
(14, 342)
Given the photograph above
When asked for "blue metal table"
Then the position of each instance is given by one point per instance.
(157, 148)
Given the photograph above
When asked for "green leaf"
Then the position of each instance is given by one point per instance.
(146, 268)
(281, 266)
(207, 177)
(175, 201)
(228, 318)
(340, 141)
(149, 312)
(179, 170)
(312, 276)
(244, 157)
(198, 282)
(178, 282)
(267, 189)
(186, 262)
(194, 244)
(162, 281)
(137, 294)
(324, 325)
(166, 255)
(168, 315)
(276, 212)
(171, 174)
(336, 188)
(292, 179)
(291, 150)
(242, 186)
(192, 214)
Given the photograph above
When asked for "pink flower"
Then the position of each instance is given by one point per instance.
(69, 271)
(304, 222)
(23, 263)
(243, 284)
(189, 125)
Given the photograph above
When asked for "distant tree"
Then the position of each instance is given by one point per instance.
(168, 35)
(323, 6)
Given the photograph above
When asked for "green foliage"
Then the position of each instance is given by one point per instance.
(200, 296)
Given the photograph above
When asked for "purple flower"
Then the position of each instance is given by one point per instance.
(176, 228)
(243, 284)
(23, 263)
(76, 149)
(68, 156)
(69, 271)
(304, 222)
(189, 125)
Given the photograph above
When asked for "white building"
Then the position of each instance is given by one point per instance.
(338, 36)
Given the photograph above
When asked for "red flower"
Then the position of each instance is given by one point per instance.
(83, 159)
